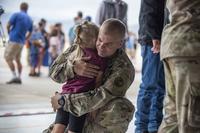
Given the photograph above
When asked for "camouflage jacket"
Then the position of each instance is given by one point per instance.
(112, 110)
(181, 36)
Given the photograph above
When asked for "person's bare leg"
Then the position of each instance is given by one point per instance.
(12, 67)
(41, 56)
(19, 67)
(58, 128)
(32, 71)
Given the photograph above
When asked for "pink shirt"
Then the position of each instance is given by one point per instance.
(83, 84)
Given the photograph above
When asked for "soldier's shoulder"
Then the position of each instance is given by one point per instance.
(71, 48)
(124, 65)
(124, 61)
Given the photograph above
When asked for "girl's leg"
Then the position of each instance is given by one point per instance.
(70, 132)
(76, 123)
(61, 122)
(59, 128)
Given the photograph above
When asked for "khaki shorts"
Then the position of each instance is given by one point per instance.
(13, 51)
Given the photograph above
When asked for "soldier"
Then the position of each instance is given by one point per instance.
(111, 111)
(180, 51)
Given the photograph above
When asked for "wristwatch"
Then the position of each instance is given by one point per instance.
(61, 101)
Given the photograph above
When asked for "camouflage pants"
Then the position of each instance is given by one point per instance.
(114, 117)
(182, 100)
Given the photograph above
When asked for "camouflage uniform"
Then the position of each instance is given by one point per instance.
(180, 51)
(112, 110)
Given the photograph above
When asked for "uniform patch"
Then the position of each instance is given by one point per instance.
(119, 82)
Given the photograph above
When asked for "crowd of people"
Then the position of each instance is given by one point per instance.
(44, 46)
(97, 72)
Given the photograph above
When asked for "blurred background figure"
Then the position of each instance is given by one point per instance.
(71, 34)
(112, 9)
(36, 42)
(77, 20)
(43, 48)
(18, 26)
(61, 35)
(54, 45)
(2, 33)
(79, 17)
(131, 45)
(44, 56)
(88, 18)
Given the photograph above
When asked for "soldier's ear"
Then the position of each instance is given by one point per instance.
(122, 43)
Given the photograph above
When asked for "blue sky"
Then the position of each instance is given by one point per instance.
(65, 10)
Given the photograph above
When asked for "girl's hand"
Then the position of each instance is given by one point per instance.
(82, 68)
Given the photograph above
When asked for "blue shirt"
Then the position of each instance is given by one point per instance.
(36, 35)
(20, 23)
(71, 35)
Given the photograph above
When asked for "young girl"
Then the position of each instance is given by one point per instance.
(86, 36)
(36, 42)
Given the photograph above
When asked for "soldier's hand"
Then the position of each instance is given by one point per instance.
(99, 79)
(54, 101)
(82, 68)
(156, 46)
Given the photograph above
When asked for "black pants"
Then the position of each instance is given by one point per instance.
(75, 124)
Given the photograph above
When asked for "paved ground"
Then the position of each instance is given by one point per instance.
(26, 108)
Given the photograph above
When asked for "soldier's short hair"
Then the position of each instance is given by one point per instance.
(114, 26)
(24, 6)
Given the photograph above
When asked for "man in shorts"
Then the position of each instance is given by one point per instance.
(18, 26)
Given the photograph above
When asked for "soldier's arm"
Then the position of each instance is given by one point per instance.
(116, 86)
(62, 67)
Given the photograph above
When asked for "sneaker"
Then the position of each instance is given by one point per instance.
(18, 81)
(14, 81)
(32, 74)
(38, 74)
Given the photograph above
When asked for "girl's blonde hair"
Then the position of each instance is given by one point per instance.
(85, 32)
